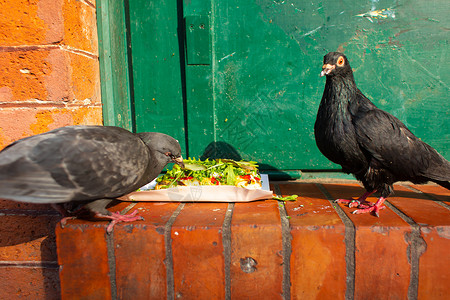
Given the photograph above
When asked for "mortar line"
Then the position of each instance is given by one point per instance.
(49, 47)
(226, 241)
(169, 257)
(350, 235)
(287, 245)
(111, 263)
(30, 264)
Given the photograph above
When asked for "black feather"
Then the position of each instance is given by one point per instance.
(370, 143)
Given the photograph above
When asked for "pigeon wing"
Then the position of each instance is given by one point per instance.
(72, 164)
(392, 145)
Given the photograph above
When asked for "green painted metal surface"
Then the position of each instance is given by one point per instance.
(157, 67)
(113, 55)
(258, 97)
(198, 40)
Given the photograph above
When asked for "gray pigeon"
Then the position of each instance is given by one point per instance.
(86, 165)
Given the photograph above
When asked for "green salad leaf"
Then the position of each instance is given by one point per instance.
(209, 172)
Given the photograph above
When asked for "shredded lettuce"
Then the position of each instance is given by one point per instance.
(210, 172)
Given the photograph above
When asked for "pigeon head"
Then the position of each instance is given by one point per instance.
(164, 146)
(335, 63)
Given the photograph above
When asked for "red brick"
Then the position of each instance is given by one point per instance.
(418, 207)
(198, 253)
(140, 253)
(434, 221)
(381, 254)
(29, 283)
(256, 251)
(22, 206)
(83, 260)
(318, 267)
(436, 191)
(28, 238)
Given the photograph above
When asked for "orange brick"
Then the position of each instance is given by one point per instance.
(85, 78)
(83, 259)
(80, 25)
(45, 22)
(140, 253)
(16, 124)
(256, 251)
(317, 265)
(381, 260)
(48, 74)
(198, 252)
(28, 238)
(24, 75)
(434, 221)
(29, 283)
(26, 22)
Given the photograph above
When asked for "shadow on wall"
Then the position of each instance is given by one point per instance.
(216, 150)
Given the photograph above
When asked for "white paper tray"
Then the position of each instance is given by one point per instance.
(223, 193)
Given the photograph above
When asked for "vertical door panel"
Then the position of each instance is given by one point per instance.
(255, 91)
(157, 67)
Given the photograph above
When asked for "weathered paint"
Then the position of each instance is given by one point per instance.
(114, 59)
(261, 93)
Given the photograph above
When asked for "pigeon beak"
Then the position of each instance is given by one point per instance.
(326, 69)
(179, 161)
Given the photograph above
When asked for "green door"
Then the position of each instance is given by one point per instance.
(240, 79)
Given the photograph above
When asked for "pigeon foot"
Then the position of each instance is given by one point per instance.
(371, 208)
(63, 221)
(360, 202)
(117, 218)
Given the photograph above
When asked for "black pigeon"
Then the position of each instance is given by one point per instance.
(87, 165)
(373, 145)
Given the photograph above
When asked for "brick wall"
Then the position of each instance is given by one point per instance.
(49, 73)
(311, 248)
(49, 77)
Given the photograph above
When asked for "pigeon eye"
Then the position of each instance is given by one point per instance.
(340, 61)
